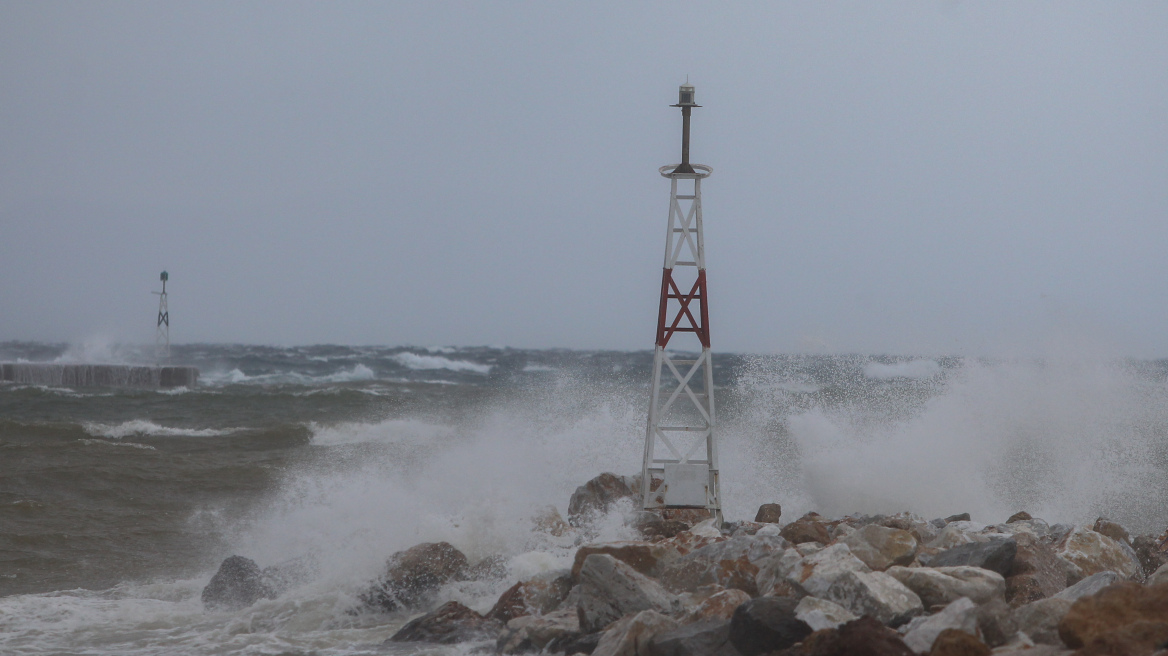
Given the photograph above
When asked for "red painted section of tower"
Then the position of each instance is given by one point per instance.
(694, 325)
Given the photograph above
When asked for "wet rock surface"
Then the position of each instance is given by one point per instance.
(611, 589)
(994, 555)
(765, 625)
(238, 584)
(449, 623)
(1094, 552)
(863, 637)
(940, 586)
(707, 638)
(413, 575)
(1037, 572)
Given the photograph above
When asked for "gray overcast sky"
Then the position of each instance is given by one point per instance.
(948, 177)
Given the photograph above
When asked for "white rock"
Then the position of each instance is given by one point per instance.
(961, 614)
(817, 572)
(944, 585)
(874, 593)
(775, 569)
(610, 589)
(631, 635)
(822, 614)
(706, 529)
(769, 529)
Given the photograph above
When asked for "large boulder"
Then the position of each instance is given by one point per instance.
(1112, 530)
(995, 555)
(732, 563)
(876, 594)
(808, 528)
(631, 635)
(239, 583)
(1040, 619)
(766, 624)
(822, 614)
(706, 638)
(863, 637)
(449, 623)
(537, 595)
(768, 513)
(1089, 585)
(535, 632)
(1037, 573)
(880, 547)
(942, 586)
(413, 575)
(600, 495)
(645, 557)
(961, 615)
(610, 589)
(1094, 552)
(1126, 617)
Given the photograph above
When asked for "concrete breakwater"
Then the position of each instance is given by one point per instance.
(98, 375)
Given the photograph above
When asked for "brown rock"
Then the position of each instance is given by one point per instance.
(598, 496)
(1151, 556)
(415, 573)
(729, 563)
(539, 595)
(1037, 572)
(645, 557)
(1022, 516)
(863, 637)
(1124, 615)
(769, 513)
(1112, 530)
(808, 528)
(1093, 552)
(955, 642)
(450, 623)
(881, 547)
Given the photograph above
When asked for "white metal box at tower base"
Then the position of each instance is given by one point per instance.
(687, 485)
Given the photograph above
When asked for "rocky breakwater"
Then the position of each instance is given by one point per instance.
(814, 586)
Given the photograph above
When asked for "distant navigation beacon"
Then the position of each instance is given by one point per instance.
(162, 333)
(681, 420)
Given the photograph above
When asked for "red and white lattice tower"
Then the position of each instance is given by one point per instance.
(680, 442)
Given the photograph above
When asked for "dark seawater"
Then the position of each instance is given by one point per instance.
(116, 505)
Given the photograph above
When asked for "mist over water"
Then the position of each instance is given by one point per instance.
(344, 455)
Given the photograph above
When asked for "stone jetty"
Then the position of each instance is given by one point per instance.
(97, 375)
(856, 585)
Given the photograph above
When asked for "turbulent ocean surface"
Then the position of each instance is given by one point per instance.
(117, 505)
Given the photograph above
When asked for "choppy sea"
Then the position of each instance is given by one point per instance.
(117, 505)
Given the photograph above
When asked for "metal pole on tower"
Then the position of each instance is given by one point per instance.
(681, 408)
(162, 332)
